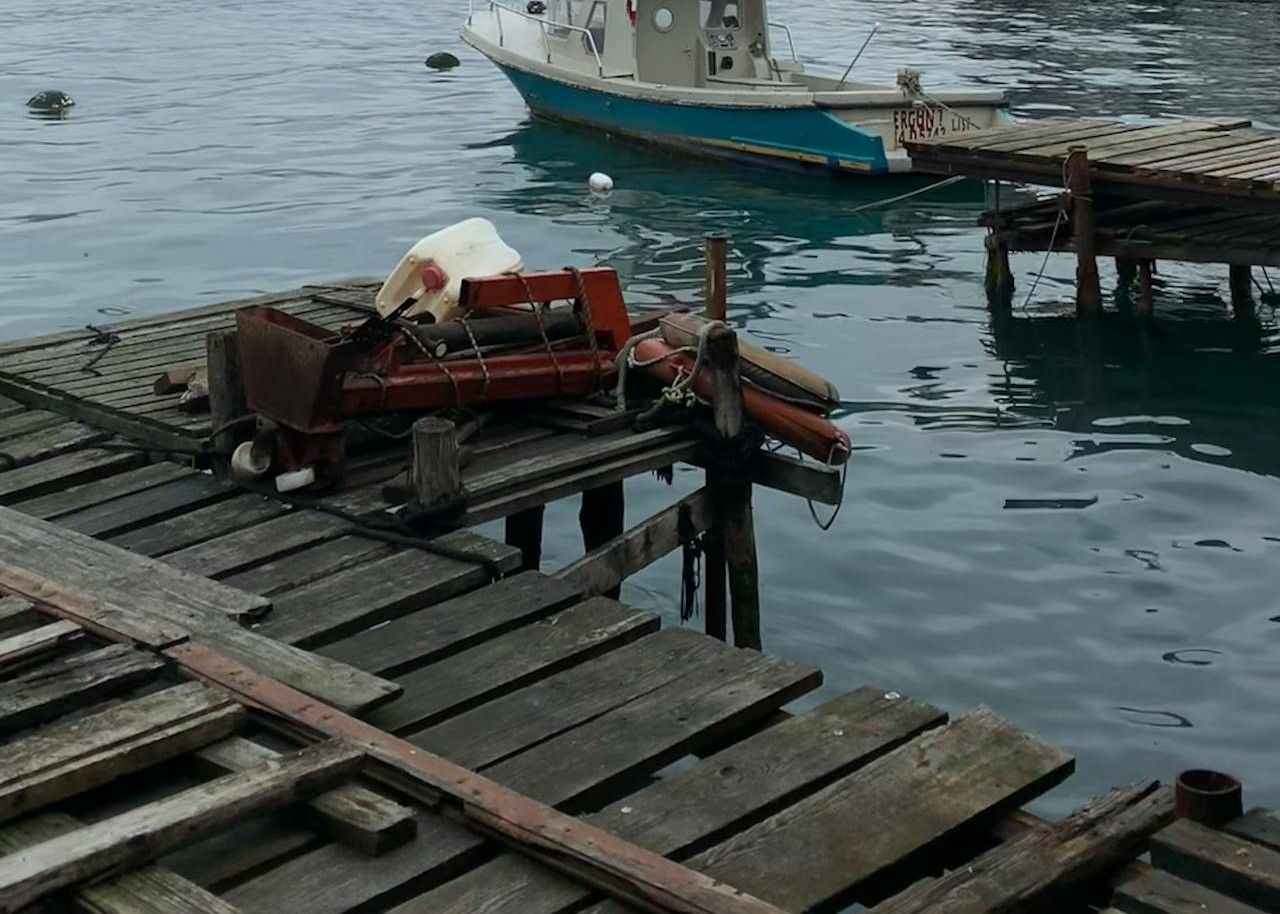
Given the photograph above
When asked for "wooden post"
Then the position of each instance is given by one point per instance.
(1242, 291)
(1126, 272)
(1146, 294)
(602, 517)
(226, 395)
(999, 280)
(437, 477)
(1088, 285)
(524, 532)
(730, 494)
(714, 246)
(714, 573)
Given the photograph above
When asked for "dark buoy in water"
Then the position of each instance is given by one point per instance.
(442, 60)
(51, 101)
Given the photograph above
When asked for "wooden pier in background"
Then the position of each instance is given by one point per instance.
(216, 700)
(1201, 191)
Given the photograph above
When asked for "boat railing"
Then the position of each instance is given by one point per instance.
(498, 9)
(786, 30)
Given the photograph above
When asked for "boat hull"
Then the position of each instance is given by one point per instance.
(806, 137)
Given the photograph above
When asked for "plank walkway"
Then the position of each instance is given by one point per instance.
(116, 766)
(1216, 162)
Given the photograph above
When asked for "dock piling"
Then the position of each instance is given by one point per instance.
(1241, 282)
(437, 478)
(730, 494)
(1146, 294)
(1088, 285)
(715, 574)
(603, 517)
(999, 277)
(524, 532)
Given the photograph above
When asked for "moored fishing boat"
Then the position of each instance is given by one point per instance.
(701, 75)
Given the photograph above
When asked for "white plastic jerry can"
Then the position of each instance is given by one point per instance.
(432, 272)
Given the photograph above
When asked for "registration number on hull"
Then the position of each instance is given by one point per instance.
(911, 124)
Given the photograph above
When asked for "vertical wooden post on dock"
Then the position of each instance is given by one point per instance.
(714, 573)
(226, 394)
(524, 532)
(1241, 281)
(730, 494)
(1088, 285)
(603, 516)
(437, 477)
(1146, 294)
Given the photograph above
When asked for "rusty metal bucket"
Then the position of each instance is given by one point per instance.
(292, 370)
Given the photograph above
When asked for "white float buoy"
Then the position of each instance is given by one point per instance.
(600, 183)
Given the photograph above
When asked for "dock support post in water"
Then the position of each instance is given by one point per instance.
(1146, 294)
(437, 478)
(714, 574)
(1242, 291)
(226, 395)
(1088, 286)
(730, 494)
(524, 532)
(603, 516)
(999, 280)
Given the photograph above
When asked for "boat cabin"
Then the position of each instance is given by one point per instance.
(694, 43)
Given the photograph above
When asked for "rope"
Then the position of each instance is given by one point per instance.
(623, 362)
(830, 522)
(582, 307)
(104, 338)
(438, 361)
(946, 182)
(1053, 240)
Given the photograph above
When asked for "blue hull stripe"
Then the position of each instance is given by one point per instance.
(807, 136)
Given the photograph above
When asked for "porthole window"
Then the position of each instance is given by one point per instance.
(663, 19)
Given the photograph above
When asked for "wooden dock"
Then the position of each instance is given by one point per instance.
(1201, 191)
(213, 700)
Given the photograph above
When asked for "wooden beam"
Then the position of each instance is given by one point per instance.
(348, 813)
(148, 890)
(18, 648)
(150, 831)
(1045, 866)
(1222, 862)
(71, 756)
(605, 567)
(587, 853)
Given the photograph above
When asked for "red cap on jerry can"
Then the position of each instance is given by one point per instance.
(433, 277)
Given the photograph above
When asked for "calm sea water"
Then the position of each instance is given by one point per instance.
(228, 147)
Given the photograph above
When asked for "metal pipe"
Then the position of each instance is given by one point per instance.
(856, 57)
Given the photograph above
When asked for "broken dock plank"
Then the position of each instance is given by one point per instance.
(142, 834)
(150, 889)
(1219, 861)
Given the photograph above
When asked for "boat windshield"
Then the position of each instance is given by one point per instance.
(567, 12)
(720, 14)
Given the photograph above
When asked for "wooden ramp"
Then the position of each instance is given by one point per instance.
(1219, 162)
(127, 786)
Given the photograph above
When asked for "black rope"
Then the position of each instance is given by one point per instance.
(104, 338)
(691, 568)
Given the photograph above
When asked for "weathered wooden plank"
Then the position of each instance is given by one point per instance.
(22, 647)
(1185, 144)
(703, 804)
(794, 476)
(507, 662)
(32, 420)
(1261, 826)
(142, 834)
(1045, 866)
(348, 813)
(52, 689)
(604, 757)
(904, 803)
(202, 524)
(64, 473)
(501, 728)
(148, 890)
(120, 515)
(453, 625)
(332, 879)
(1158, 892)
(311, 564)
(233, 552)
(115, 577)
(70, 757)
(88, 494)
(379, 591)
(604, 568)
(219, 861)
(1222, 862)
(18, 615)
(50, 442)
